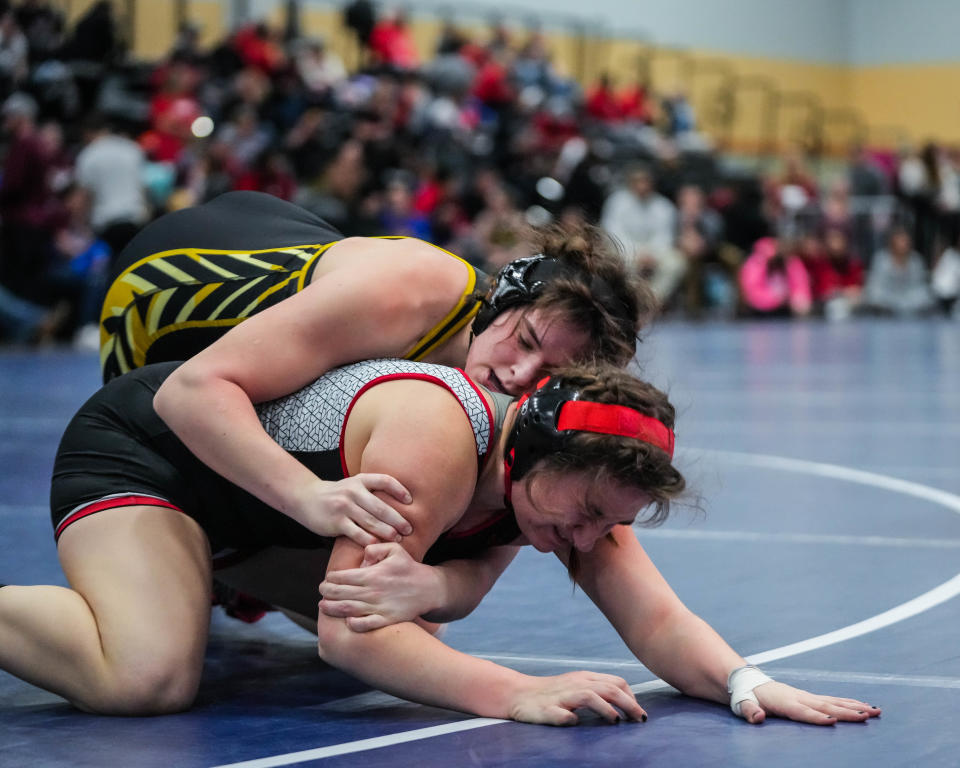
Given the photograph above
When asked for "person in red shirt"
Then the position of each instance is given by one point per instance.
(602, 102)
(173, 108)
(634, 103)
(29, 210)
(392, 43)
(270, 173)
(492, 85)
(258, 47)
(836, 274)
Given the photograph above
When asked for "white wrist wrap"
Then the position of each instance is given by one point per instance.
(740, 685)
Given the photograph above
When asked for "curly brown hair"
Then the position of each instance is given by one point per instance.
(612, 316)
(613, 321)
(624, 460)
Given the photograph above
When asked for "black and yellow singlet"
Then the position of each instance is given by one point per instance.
(190, 276)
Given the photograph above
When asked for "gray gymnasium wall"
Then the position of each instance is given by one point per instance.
(899, 32)
(813, 30)
(857, 32)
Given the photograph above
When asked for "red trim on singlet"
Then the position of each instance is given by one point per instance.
(418, 376)
(476, 528)
(131, 500)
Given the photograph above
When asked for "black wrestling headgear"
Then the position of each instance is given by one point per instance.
(523, 280)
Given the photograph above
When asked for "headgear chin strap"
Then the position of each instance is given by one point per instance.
(548, 415)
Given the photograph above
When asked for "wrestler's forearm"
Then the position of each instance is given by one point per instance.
(216, 420)
(462, 584)
(688, 653)
(671, 641)
(407, 662)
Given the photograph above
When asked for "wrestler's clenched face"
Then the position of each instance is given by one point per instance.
(521, 346)
(556, 512)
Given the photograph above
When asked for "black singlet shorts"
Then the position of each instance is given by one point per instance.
(116, 447)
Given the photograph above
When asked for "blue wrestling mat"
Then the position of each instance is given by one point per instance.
(825, 546)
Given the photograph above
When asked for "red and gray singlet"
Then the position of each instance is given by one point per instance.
(312, 420)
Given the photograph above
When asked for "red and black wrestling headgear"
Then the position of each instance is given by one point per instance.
(554, 410)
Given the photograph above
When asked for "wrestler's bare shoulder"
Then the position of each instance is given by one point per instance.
(391, 280)
(413, 424)
(393, 257)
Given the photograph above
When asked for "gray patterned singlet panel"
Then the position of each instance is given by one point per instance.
(311, 419)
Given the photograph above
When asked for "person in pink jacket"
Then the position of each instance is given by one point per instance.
(774, 281)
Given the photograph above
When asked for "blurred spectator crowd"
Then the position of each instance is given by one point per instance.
(468, 149)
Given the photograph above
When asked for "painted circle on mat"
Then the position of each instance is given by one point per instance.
(919, 604)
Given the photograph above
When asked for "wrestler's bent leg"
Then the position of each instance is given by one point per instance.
(129, 636)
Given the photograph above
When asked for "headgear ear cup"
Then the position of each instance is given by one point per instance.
(523, 280)
(517, 283)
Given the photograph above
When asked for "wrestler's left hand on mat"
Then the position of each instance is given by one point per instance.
(554, 700)
(389, 587)
(349, 508)
(780, 700)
